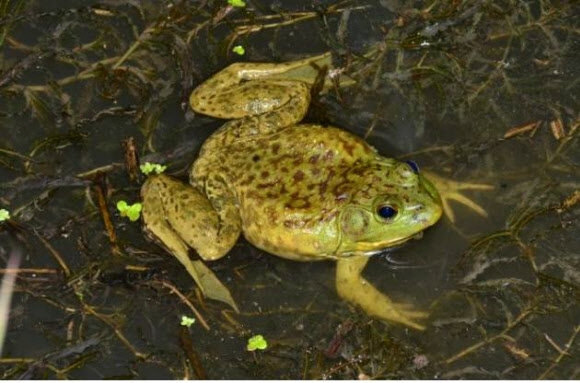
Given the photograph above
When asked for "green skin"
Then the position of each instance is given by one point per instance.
(300, 191)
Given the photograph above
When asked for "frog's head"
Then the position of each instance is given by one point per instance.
(391, 204)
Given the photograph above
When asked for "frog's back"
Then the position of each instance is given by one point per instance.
(257, 160)
(295, 180)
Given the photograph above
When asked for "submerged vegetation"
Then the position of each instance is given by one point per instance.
(476, 90)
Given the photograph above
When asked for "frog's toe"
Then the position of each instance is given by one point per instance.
(462, 199)
(450, 190)
(409, 318)
(408, 310)
(352, 287)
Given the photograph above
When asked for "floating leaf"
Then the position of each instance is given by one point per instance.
(187, 321)
(133, 212)
(4, 215)
(238, 49)
(257, 342)
(237, 3)
(148, 168)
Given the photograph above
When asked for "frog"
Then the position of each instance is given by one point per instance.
(300, 191)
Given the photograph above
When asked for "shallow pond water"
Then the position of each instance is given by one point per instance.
(481, 92)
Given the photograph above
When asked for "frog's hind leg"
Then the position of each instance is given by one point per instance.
(352, 287)
(253, 89)
(259, 108)
(179, 215)
(265, 103)
(227, 95)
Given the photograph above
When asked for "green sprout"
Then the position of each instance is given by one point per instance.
(148, 168)
(238, 49)
(133, 212)
(257, 342)
(4, 215)
(237, 3)
(187, 321)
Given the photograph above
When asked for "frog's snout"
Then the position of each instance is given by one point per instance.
(427, 213)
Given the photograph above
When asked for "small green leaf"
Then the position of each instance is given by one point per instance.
(133, 212)
(238, 49)
(122, 207)
(187, 321)
(4, 215)
(237, 3)
(257, 342)
(148, 168)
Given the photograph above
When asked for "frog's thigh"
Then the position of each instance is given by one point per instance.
(352, 287)
(255, 98)
(188, 214)
(154, 216)
(221, 217)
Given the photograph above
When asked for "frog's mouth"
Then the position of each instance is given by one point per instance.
(371, 248)
(419, 235)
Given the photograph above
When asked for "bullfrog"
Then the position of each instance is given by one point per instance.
(304, 192)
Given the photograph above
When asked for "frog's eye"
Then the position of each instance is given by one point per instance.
(387, 212)
(413, 165)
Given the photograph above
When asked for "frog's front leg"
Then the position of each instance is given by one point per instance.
(352, 287)
(179, 215)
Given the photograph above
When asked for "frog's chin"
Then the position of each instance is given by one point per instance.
(370, 248)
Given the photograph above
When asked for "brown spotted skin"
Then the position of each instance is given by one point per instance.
(291, 184)
(180, 216)
(292, 187)
(300, 191)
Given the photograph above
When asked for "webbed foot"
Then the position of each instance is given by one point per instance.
(450, 190)
(352, 287)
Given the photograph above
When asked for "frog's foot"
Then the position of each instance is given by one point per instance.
(352, 287)
(450, 190)
(308, 70)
